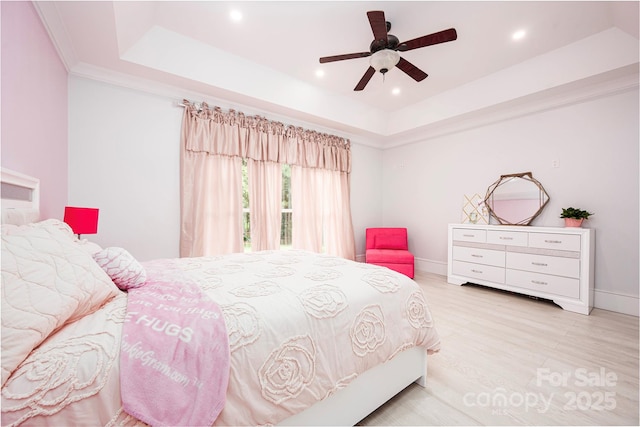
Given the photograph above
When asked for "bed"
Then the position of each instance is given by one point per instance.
(356, 333)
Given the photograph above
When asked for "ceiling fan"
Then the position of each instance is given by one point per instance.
(385, 47)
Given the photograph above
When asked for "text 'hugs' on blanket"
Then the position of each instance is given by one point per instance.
(174, 335)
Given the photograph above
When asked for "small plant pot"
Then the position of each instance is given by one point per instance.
(573, 222)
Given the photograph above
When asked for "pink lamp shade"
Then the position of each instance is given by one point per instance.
(81, 220)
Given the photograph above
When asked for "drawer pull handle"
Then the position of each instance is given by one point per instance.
(552, 241)
(540, 264)
(537, 282)
(506, 238)
(476, 271)
(469, 235)
(476, 256)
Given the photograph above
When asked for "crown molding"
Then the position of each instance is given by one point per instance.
(52, 22)
(606, 84)
(175, 94)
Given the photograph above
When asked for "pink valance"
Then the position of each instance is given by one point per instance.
(233, 134)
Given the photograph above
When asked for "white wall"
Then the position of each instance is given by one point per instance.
(366, 193)
(124, 158)
(596, 144)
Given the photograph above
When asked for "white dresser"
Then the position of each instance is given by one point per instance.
(546, 262)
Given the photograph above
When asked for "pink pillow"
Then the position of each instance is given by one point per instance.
(125, 271)
(47, 281)
(391, 241)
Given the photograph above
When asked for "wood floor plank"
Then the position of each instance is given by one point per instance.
(508, 359)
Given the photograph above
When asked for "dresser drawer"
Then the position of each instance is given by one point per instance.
(565, 242)
(478, 271)
(513, 238)
(547, 262)
(555, 285)
(479, 256)
(469, 235)
(559, 266)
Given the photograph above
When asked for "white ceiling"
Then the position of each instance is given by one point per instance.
(269, 59)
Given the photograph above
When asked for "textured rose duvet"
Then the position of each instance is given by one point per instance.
(300, 327)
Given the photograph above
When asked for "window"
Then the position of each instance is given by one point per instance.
(285, 230)
(211, 173)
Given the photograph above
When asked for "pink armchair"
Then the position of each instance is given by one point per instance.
(388, 247)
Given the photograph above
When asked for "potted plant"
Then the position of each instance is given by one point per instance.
(574, 217)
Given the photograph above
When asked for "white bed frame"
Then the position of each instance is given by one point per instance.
(367, 392)
(20, 198)
(347, 406)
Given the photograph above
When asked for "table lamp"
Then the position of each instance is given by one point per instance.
(81, 220)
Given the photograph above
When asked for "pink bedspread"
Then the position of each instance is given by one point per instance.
(174, 357)
(300, 327)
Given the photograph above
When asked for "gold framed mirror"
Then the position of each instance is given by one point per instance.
(516, 199)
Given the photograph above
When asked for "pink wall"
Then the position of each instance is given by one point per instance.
(34, 105)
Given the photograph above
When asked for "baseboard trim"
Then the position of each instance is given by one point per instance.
(431, 266)
(625, 304)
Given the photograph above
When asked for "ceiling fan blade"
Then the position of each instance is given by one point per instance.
(378, 25)
(346, 56)
(411, 70)
(365, 79)
(431, 39)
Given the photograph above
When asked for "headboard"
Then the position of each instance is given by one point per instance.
(20, 198)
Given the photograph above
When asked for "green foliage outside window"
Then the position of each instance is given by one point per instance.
(285, 230)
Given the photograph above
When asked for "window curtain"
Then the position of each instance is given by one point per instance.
(317, 195)
(306, 206)
(265, 204)
(211, 196)
(336, 198)
(212, 146)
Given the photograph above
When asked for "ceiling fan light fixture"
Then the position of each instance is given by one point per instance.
(384, 60)
(384, 50)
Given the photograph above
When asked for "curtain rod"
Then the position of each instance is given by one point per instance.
(182, 104)
(198, 106)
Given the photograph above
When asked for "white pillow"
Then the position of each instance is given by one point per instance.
(47, 281)
(125, 271)
(19, 216)
(48, 224)
(89, 247)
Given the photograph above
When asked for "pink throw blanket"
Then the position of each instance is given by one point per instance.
(174, 358)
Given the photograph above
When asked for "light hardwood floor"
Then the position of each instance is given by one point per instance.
(508, 359)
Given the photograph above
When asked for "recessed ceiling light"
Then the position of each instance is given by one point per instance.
(235, 15)
(518, 35)
(395, 91)
(319, 73)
